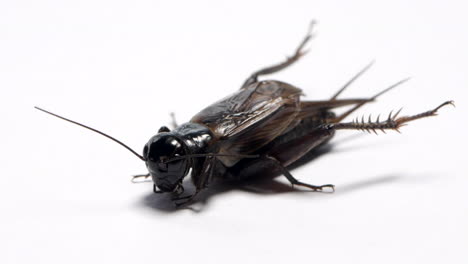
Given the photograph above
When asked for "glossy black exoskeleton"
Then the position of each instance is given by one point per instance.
(189, 138)
(263, 125)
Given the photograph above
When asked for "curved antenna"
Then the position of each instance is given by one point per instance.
(95, 130)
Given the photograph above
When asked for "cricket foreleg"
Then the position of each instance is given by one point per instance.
(203, 178)
(393, 122)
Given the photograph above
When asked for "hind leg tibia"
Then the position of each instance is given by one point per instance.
(393, 122)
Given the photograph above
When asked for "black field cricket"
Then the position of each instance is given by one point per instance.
(263, 125)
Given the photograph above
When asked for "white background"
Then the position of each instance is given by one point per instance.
(123, 66)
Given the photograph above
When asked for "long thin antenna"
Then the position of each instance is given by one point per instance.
(95, 130)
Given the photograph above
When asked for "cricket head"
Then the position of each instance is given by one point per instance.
(163, 155)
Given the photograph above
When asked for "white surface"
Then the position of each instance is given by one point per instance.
(65, 193)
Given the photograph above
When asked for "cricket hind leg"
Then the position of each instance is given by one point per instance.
(393, 122)
(280, 66)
